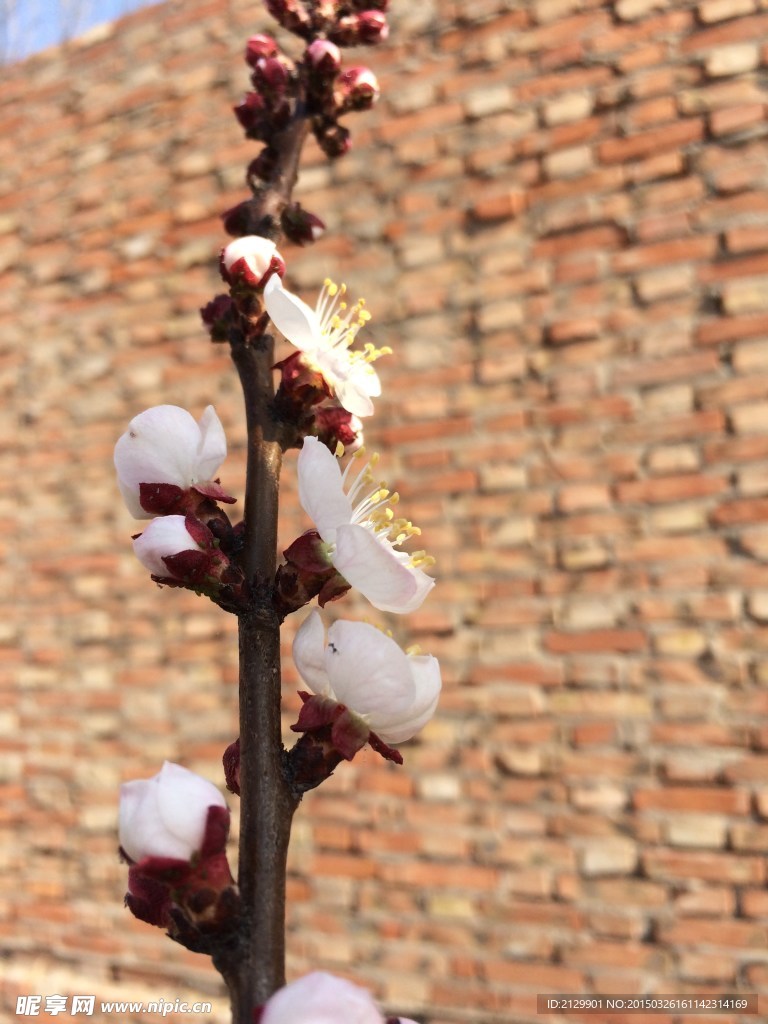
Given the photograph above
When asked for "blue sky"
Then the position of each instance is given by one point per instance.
(38, 24)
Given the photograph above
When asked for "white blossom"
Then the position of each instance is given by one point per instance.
(162, 538)
(324, 336)
(165, 816)
(361, 667)
(164, 445)
(356, 521)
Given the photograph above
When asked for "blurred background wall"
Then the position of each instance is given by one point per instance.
(558, 215)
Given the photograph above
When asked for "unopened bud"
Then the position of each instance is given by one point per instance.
(364, 29)
(301, 226)
(258, 47)
(216, 316)
(333, 138)
(250, 261)
(373, 27)
(262, 167)
(324, 56)
(271, 75)
(359, 89)
(237, 220)
(291, 15)
(251, 112)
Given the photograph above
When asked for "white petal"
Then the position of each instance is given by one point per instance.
(321, 491)
(309, 654)
(254, 249)
(183, 800)
(320, 998)
(160, 447)
(352, 398)
(295, 320)
(368, 672)
(165, 816)
(164, 536)
(379, 572)
(212, 449)
(137, 816)
(425, 671)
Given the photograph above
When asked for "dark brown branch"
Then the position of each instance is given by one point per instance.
(267, 804)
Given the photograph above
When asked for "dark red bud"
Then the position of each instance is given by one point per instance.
(262, 167)
(251, 112)
(231, 762)
(367, 28)
(237, 220)
(324, 57)
(333, 138)
(359, 89)
(301, 226)
(260, 46)
(270, 74)
(216, 316)
(291, 15)
(373, 27)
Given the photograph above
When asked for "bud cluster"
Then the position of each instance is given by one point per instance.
(316, 87)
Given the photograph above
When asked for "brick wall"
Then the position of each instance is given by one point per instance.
(559, 218)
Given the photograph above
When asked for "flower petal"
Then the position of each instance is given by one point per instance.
(320, 998)
(309, 654)
(160, 446)
(321, 491)
(212, 448)
(425, 672)
(354, 398)
(256, 250)
(183, 799)
(378, 571)
(165, 816)
(295, 320)
(165, 536)
(369, 672)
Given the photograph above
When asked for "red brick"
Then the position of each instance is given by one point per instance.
(645, 144)
(693, 798)
(598, 640)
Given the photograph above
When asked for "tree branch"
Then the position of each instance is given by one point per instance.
(267, 803)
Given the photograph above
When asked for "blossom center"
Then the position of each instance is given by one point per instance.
(339, 324)
(373, 507)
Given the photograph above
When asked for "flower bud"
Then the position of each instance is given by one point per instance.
(237, 220)
(373, 27)
(301, 226)
(291, 15)
(260, 46)
(333, 138)
(178, 548)
(165, 816)
(364, 29)
(173, 831)
(324, 57)
(270, 75)
(358, 88)
(261, 168)
(216, 316)
(252, 113)
(250, 260)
